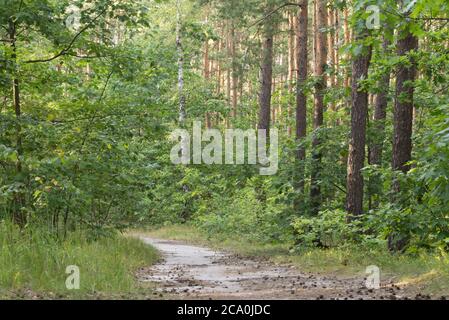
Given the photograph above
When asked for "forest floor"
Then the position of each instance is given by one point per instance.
(194, 271)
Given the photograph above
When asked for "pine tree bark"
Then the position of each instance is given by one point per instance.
(403, 107)
(234, 72)
(301, 98)
(330, 52)
(320, 87)
(229, 66)
(266, 77)
(347, 36)
(380, 114)
(336, 44)
(359, 114)
(302, 69)
(273, 109)
(403, 123)
(206, 73)
(291, 66)
(219, 69)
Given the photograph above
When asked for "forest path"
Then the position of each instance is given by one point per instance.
(194, 272)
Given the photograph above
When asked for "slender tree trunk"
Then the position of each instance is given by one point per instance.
(19, 216)
(347, 35)
(281, 94)
(207, 77)
(403, 107)
(234, 73)
(273, 109)
(359, 114)
(182, 99)
(330, 44)
(291, 66)
(266, 77)
(229, 65)
(379, 117)
(320, 63)
(336, 44)
(301, 98)
(331, 55)
(219, 69)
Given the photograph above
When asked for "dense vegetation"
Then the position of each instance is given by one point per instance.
(91, 90)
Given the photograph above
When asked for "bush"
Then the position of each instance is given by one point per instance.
(328, 229)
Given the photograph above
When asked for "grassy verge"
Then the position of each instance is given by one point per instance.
(426, 273)
(33, 265)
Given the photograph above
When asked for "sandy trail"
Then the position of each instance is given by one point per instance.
(194, 272)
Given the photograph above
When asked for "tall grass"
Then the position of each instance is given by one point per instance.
(35, 260)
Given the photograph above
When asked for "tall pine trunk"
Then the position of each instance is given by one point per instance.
(403, 107)
(234, 72)
(403, 122)
(206, 74)
(266, 77)
(320, 87)
(291, 66)
(379, 117)
(347, 38)
(301, 98)
(359, 114)
(380, 114)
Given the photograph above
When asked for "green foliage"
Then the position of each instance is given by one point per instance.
(245, 214)
(90, 150)
(86, 126)
(327, 229)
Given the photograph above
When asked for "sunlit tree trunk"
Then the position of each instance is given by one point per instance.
(331, 50)
(266, 76)
(347, 36)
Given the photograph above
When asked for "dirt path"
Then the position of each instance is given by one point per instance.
(194, 272)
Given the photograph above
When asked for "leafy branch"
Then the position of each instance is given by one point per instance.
(65, 51)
